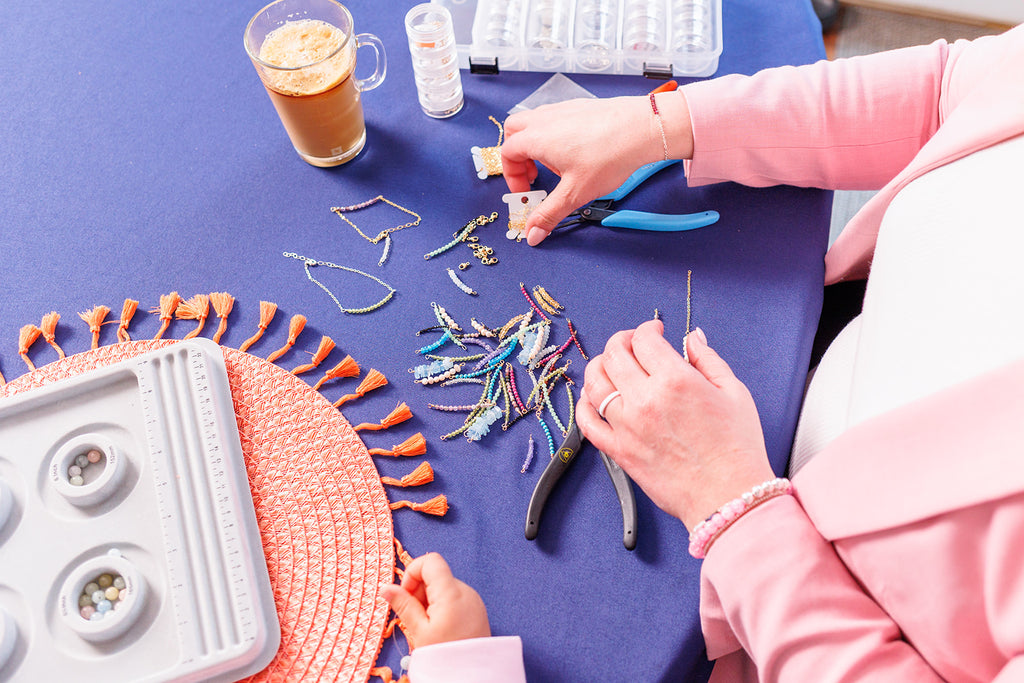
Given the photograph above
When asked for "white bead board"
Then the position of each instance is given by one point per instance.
(171, 511)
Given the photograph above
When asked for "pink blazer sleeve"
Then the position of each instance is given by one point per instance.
(845, 124)
(774, 587)
(497, 659)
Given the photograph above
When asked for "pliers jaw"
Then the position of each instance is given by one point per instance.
(594, 212)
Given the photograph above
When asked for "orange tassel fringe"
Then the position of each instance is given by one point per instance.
(48, 327)
(424, 474)
(437, 506)
(403, 557)
(374, 380)
(196, 308)
(326, 346)
(386, 675)
(346, 368)
(26, 338)
(94, 318)
(400, 414)
(414, 445)
(295, 327)
(267, 311)
(222, 305)
(127, 313)
(168, 304)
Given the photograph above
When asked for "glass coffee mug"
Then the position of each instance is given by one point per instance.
(305, 54)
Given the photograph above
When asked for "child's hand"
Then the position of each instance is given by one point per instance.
(434, 606)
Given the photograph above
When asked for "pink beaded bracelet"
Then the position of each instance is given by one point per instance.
(705, 533)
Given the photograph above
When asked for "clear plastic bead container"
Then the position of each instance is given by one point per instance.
(655, 38)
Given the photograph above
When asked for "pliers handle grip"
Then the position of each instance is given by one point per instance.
(600, 210)
(559, 464)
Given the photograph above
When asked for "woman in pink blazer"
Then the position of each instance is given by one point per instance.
(900, 554)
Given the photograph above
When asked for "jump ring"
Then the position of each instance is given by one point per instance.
(608, 399)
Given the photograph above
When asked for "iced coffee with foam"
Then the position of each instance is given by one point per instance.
(307, 66)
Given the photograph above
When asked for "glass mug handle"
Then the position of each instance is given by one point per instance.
(370, 40)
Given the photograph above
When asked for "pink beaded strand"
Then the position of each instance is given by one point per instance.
(705, 533)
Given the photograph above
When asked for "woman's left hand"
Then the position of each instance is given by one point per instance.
(688, 433)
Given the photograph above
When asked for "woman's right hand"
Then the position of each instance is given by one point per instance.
(594, 145)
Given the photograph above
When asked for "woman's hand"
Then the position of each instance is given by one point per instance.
(686, 432)
(592, 144)
(434, 606)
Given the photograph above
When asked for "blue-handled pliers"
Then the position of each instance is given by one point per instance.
(600, 210)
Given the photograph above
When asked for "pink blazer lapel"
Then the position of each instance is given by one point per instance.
(992, 110)
(956, 448)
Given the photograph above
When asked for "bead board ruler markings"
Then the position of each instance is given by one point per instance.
(196, 474)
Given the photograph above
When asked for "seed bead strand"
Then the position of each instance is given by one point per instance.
(546, 306)
(387, 250)
(547, 433)
(576, 339)
(551, 408)
(477, 341)
(456, 359)
(482, 329)
(507, 395)
(558, 352)
(435, 379)
(461, 380)
(509, 325)
(443, 318)
(543, 295)
(453, 409)
(460, 284)
(437, 344)
(529, 455)
(572, 402)
(538, 344)
(539, 312)
(515, 390)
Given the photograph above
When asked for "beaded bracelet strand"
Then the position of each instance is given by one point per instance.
(705, 533)
(308, 263)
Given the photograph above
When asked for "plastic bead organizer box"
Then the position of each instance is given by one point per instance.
(201, 597)
(656, 38)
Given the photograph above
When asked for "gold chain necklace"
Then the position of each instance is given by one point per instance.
(383, 234)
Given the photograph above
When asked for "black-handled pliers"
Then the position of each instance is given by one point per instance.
(559, 464)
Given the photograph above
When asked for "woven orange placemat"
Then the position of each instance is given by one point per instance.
(322, 511)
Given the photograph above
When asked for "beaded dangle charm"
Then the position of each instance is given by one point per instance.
(520, 206)
(487, 160)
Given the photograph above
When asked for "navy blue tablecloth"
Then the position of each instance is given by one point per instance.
(141, 155)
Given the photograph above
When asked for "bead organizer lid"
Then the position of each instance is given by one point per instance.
(656, 38)
(130, 547)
